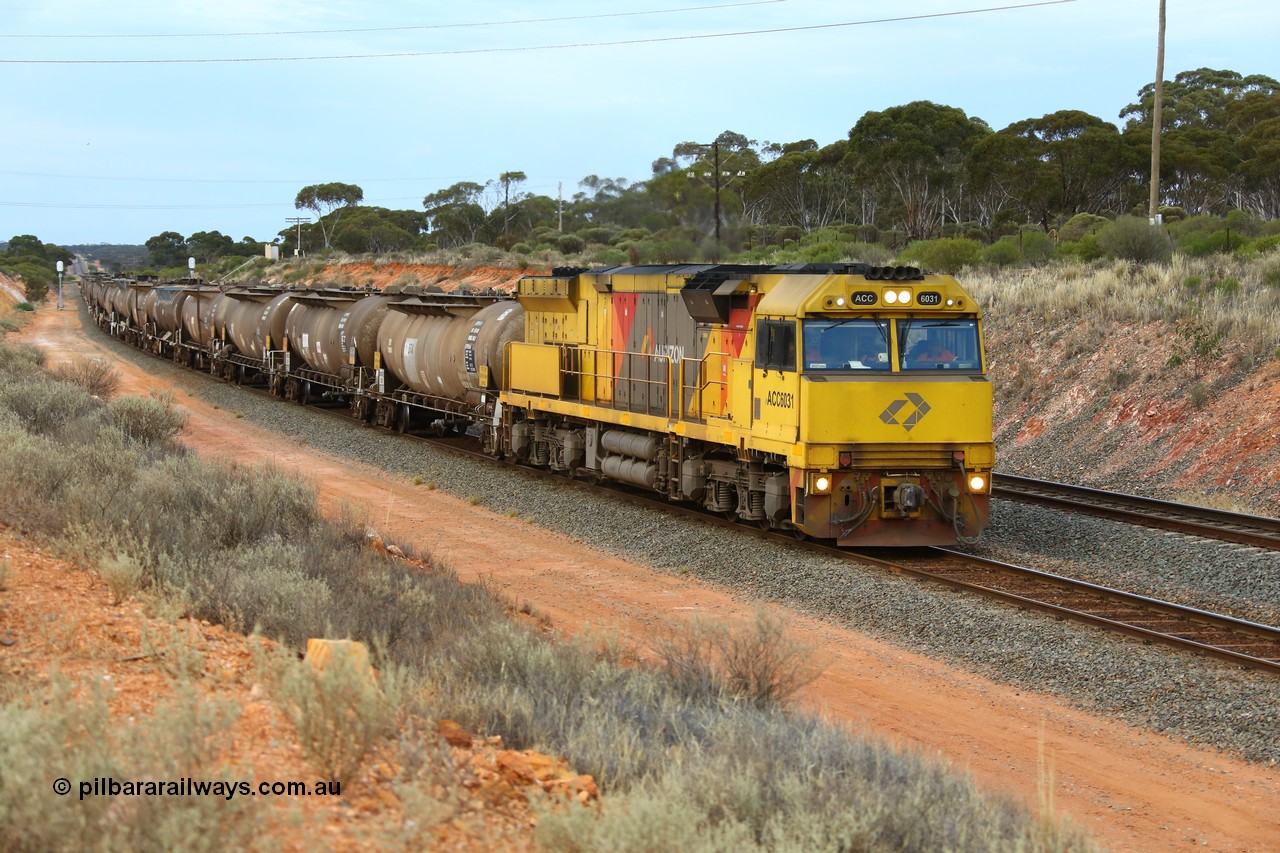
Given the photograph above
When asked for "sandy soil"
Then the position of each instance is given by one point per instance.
(1133, 790)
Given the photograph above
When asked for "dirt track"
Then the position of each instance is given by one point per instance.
(1132, 789)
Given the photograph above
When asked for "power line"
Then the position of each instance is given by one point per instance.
(234, 206)
(534, 48)
(395, 29)
(300, 182)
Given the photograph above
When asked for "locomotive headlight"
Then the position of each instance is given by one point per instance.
(839, 301)
(977, 483)
(820, 484)
(890, 297)
(904, 296)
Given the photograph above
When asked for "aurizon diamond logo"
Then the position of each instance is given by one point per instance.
(908, 412)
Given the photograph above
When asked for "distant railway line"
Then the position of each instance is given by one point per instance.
(1258, 531)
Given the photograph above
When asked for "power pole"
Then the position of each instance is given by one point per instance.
(1156, 116)
(298, 220)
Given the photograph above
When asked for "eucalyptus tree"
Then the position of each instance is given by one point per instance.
(914, 156)
(803, 185)
(327, 201)
(1259, 149)
(454, 214)
(1054, 167)
(1204, 115)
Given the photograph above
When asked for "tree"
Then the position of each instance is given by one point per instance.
(168, 249)
(25, 244)
(1054, 167)
(1259, 150)
(377, 229)
(507, 180)
(454, 214)
(804, 185)
(1203, 114)
(322, 199)
(914, 154)
(208, 246)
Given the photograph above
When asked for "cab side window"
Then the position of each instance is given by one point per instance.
(776, 345)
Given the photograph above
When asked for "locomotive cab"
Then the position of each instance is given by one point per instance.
(883, 386)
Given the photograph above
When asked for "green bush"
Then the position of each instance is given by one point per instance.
(571, 244)
(1002, 253)
(1133, 238)
(947, 255)
(1085, 249)
(1081, 225)
(338, 712)
(76, 735)
(21, 360)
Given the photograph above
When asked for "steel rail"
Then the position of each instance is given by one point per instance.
(1240, 641)
(1257, 531)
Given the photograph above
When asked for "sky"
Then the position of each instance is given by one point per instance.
(123, 120)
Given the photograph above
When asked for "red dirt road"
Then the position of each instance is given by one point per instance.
(1133, 790)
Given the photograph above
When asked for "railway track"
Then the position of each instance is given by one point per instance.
(1258, 531)
(1224, 637)
(1237, 641)
(1234, 640)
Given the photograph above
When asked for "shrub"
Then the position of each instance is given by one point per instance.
(1085, 249)
(338, 712)
(570, 244)
(1132, 238)
(77, 736)
(25, 306)
(20, 360)
(948, 255)
(94, 375)
(1079, 226)
(45, 408)
(123, 575)
(146, 421)
(1002, 253)
(759, 663)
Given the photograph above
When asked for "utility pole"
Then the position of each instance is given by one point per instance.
(298, 220)
(717, 184)
(560, 206)
(1156, 116)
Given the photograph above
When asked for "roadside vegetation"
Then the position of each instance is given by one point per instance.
(698, 751)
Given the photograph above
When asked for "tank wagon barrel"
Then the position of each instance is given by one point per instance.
(332, 330)
(163, 307)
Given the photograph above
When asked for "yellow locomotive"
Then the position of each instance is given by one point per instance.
(842, 402)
